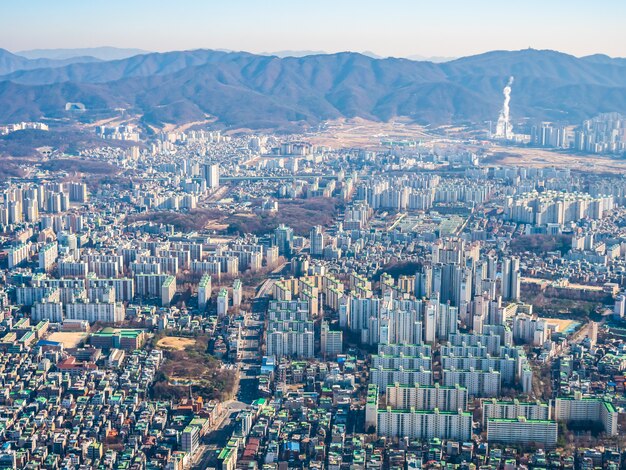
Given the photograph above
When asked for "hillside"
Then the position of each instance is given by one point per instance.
(246, 90)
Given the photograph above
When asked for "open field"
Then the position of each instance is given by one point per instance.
(538, 158)
(175, 343)
(214, 225)
(358, 132)
(563, 325)
(69, 339)
(187, 126)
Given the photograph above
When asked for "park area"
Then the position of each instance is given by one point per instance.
(188, 363)
(175, 343)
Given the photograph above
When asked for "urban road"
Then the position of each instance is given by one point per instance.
(248, 364)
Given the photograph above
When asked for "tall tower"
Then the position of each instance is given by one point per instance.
(283, 236)
(430, 321)
(317, 241)
(510, 278)
(211, 173)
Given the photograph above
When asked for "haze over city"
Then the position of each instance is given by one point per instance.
(398, 28)
(295, 235)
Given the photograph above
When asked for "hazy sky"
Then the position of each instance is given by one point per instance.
(386, 27)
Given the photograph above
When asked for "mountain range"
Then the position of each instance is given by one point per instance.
(239, 89)
(100, 53)
(10, 62)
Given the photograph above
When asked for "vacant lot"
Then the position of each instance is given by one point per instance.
(175, 343)
(358, 132)
(531, 157)
(563, 325)
(69, 339)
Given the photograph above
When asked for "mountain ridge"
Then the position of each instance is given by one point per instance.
(247, 90)
(10, 62)
(100, 53)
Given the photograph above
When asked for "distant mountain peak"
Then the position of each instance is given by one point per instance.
(101, 53)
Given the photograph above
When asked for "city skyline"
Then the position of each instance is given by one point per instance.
(295, 26)
(410, 259)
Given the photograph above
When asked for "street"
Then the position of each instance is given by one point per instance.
(248, 362)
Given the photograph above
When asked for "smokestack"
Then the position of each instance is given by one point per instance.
(504, 129)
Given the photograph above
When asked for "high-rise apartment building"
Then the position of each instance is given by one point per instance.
(511, 280)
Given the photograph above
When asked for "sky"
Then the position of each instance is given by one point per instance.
(400, 28)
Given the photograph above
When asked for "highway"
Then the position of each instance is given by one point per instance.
(217, 195)
(266, 288)
(274, 178)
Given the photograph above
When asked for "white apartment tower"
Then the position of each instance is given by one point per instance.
(211, 175)
(204, 292)
(510, 278)
(317, 241)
